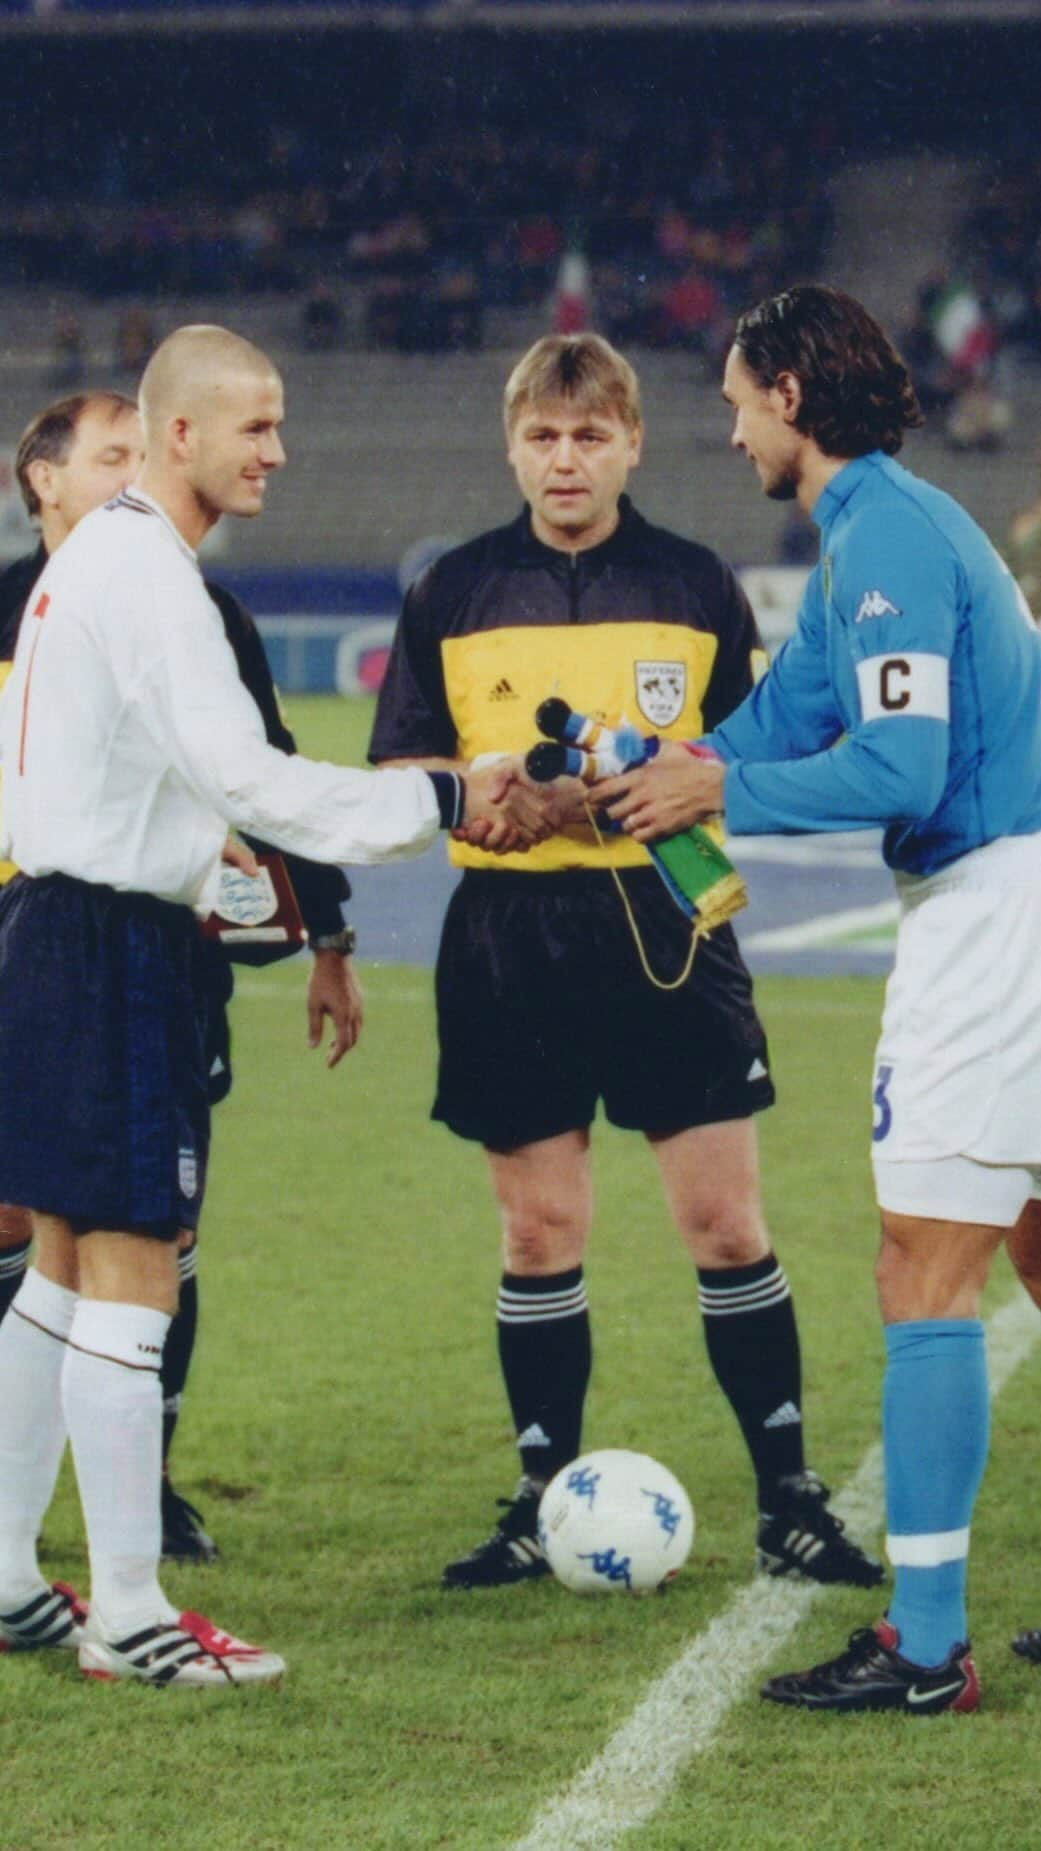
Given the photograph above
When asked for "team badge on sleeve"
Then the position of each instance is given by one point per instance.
(661, 690)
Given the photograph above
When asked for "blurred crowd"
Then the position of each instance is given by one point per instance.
(676, 224)
(973, 318)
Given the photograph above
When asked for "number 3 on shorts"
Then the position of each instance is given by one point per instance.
(883, 1109)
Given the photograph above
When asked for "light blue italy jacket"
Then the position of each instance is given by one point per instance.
(908, 696)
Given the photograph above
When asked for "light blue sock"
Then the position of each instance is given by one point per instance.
(936, 1429)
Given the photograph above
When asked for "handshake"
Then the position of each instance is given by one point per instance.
(507, 812)
(582, 762)
(515, 800)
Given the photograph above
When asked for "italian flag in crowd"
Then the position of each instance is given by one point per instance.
(962, 328)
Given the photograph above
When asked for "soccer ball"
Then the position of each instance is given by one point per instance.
(615, 1522)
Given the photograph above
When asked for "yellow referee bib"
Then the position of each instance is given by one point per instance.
(652, 675)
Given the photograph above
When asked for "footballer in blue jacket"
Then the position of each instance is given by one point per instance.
(908, 699)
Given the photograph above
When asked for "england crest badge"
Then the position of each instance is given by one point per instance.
(246, 899)
(257, 916)
(187, 1172)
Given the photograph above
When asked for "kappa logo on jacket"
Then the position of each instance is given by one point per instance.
(876, 604)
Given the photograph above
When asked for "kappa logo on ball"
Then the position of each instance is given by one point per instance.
(582, 1483)
(615, 1522)
(661, 690)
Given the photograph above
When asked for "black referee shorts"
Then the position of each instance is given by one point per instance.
(544, 1010)
(103, 1111)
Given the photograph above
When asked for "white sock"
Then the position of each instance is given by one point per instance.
(32, 1427)
(113, 1404)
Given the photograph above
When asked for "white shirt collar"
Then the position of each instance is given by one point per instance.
(136, 498)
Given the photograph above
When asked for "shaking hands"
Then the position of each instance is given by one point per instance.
(506, 812)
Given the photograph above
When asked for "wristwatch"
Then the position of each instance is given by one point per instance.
(342, 941)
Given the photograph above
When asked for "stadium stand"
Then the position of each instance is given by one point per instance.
(386, 449)
(326, 240)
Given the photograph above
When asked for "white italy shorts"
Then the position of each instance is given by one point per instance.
(957, 1082)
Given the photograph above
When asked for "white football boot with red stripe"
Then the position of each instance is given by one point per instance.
(190, 1650)
(54, 1616)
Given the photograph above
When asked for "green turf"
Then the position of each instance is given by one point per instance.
(345, 1433)
(328, 727)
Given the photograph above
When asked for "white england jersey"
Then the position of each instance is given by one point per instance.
(129, 743)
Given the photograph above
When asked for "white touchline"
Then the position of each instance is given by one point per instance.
(863, 849)
(682, 1712)
(822, 929)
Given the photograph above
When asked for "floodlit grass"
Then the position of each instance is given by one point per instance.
(327, 727)
(345, 1433)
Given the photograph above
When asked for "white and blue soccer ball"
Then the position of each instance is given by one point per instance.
(615, 1522)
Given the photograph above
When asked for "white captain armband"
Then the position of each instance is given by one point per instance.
(912, 683)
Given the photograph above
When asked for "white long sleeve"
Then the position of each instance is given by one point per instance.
(129, 742)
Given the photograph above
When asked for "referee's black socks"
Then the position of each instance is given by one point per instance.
(545, 1351)
(753, 1346)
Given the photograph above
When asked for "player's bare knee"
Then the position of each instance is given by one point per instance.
(542, 1237)
(930, 1269)
(724, 1234)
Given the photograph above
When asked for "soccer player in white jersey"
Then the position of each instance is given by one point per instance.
(75, 454)
(129, 747)
(909, 698)
(89, 449)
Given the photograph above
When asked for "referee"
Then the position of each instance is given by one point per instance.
(557, 989)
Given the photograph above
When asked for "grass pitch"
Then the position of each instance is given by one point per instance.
(345, 1433)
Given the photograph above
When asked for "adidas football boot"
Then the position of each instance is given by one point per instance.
(188, 1651)
(512, 1553)
(802, 1539)
(54, 1616)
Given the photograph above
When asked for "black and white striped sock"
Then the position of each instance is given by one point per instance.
(753, 1346)
(545, 1351)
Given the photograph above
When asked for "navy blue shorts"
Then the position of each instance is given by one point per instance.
(104, 1117)
(217, 988)
(544, 1010)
